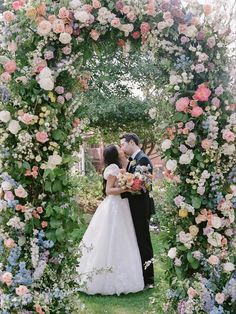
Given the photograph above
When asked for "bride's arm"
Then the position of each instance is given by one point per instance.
(111, 189)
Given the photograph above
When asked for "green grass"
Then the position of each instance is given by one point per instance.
(137, 303)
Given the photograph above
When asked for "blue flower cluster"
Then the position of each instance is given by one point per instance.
(23, 276)
(5, 94)
(47, 244)
(183, 63)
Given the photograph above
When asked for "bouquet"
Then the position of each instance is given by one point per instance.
(140, 180)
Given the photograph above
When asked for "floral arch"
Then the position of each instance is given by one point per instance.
(43, 49)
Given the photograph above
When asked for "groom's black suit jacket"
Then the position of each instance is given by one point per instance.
(142, 160)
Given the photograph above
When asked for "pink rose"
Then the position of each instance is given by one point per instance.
(49, 55)
(94, 34)
(145, 27)
(136, 35)
(12, 46)
(182, 104)
(220, 297)
(44, 28)
(17, 5)
(191, 293)
(215, 102)
(10, 66)
(66, 50)
(182, 28)
(202, 93)
(21, 290)
(21, 192)
(196, 112)
(8, 16)
(219, 90)
(26, 118)
(151, 9)
(199, 68)
(184, 39)
(96, 4)
(59, 89)
(167, 15)
(213, 260)
(206, 143)
(131, 16)
(115, 22)
(7, 278)
(5, 77)
(8, 196)
(200, 35)
(68, 29)
(119, 5)
(9, 243)
(211, 41)
(228, 135)
(44, 224)
(63, 13)
(42, 137)
(60, 100)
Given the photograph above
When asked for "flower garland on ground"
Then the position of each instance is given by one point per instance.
(45, 45)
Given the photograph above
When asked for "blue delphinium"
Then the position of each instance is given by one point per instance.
(217, 310)
(5, 94)
(23, 276)
(14, 256)
(1, 247)
(188, 18)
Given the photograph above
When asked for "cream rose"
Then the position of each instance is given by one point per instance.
(65, 38)
(5, 116)
(21, 192)
(166, 144)
(172, 253)
(171, 165)
(14, 127)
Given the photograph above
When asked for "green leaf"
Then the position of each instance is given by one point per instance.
(54, 223)
(196, 202)
(47, 186)
(57, 186)
(58, 135)
(60, 234)
(26, 165)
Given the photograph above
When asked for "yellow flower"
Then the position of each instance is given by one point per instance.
(51, 97)
(183, 213)
(31, 13)
(234, 128)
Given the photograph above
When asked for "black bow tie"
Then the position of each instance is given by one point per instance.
(130, 158)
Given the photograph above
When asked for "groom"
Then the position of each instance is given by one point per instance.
(141, 205)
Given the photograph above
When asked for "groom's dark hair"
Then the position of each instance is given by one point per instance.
(130, 136)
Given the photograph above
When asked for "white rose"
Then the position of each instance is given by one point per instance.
(82, 16)
(126, 28)
(53, 161)
(5, 116)
(215, 239)
(166, 144)
(186, 158)
(46, 72)
(65, 38)
(191, 31)
(6, 186)
(46, 83)
(74, 4)
(171, 165)
(228, 149)
(228, 267)
(14, 127)
(216, 222)
(172, 253)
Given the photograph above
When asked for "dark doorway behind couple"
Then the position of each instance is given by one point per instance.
(116, 250)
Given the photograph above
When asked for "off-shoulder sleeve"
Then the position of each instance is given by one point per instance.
(112, 170)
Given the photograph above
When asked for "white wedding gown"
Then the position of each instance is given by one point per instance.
(110, 242)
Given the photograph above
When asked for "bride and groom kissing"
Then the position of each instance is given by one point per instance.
(118, 238)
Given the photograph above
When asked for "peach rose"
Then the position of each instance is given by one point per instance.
(191, 292)
(8, 16)
(68, 29)
(9, 243)
(182, 104)
(213, 260)
(10, 66)
(17, 5)
(21, 290)
(58, 26)
(182, 28)
(52, 18)
(42, 137)
(207, 9)
(206, 143)
(39, 210)
(64, 13)
(115, 22)
(196, 112)
(7, 278)
(41, 9)
(96, 4)
(5, 77)
(44, 28)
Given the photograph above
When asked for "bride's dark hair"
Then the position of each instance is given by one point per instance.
(110, 156)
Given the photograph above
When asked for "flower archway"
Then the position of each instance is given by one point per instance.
(45, 45)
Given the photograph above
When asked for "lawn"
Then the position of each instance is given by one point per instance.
(132, 303)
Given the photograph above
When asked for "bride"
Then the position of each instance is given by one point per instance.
(110, 261)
